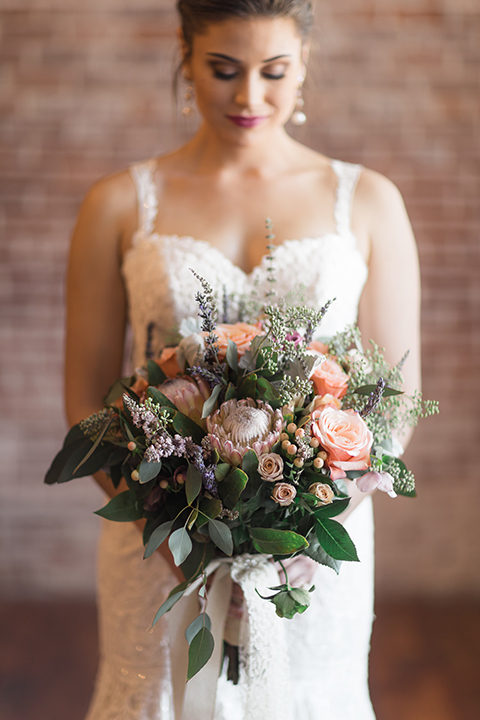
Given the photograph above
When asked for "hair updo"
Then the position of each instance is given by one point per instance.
(196, 15)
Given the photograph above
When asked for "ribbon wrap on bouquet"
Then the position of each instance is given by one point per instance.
(264, 672)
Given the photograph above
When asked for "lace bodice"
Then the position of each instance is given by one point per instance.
(161, 288)
(328, 645)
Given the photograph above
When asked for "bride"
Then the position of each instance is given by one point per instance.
(342, 231)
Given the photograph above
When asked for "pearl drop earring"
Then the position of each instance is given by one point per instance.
(188, 109)
(298, 116)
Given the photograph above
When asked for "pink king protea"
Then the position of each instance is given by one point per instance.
(241, 425)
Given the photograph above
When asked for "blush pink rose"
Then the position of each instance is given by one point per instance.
(320, 402)
(345, 438)
(241, 333)
(318, 347)
(329, 378)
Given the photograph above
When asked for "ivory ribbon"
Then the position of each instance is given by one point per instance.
(264, 678)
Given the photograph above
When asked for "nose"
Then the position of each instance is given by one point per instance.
(249, 92)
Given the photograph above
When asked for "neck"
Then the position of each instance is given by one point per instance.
(207, 152)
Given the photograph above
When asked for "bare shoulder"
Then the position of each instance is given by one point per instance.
(375, 193)
(113, 196)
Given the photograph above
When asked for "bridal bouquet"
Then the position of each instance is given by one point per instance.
(240, 440)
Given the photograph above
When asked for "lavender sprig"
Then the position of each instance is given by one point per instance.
(374, 398)
(207, 311)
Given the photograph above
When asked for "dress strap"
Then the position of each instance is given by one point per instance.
(348, 175)
(142, 176)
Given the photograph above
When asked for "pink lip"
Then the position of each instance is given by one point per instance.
(247, 122)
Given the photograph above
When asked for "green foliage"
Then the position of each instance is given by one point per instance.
(148, 470)
(180, 545)
(158, 536)
(200, 651)
(232, 487)
(276, 542)
(123, 507)
(221, 535)
(193, 483)
(335, 540)
(156, 376)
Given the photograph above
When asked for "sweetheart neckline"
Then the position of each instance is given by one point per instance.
(138, 236)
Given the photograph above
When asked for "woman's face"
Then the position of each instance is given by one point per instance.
(246, 74)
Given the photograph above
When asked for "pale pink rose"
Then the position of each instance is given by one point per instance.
(346, 439)
(240, 333)
(284, 493)
(322, 492)
(270, 467)
(329, 378)
(376, 481)
(318, 347)
(168, 362)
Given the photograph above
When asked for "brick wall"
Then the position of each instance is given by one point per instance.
(84, 90)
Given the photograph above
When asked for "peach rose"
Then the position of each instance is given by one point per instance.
(346, 439)
(322, 492)
(168, 362)
(270, 467)
(329, 378)
(320, 402)
(241, 333)
(283, 493)
(318, 347)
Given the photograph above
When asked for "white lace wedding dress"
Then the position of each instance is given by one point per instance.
(328, 645)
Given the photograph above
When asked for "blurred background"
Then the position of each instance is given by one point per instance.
(85, 89)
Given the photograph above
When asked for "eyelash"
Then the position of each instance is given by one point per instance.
(230, 76)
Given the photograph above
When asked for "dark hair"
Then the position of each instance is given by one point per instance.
(196, 15)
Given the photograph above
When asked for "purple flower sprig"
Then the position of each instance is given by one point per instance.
(374, 398)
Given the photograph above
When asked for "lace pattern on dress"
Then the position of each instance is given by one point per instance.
(142, 175)
(348, 175)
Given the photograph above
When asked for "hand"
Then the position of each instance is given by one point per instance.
(300, 570)
(237, 608)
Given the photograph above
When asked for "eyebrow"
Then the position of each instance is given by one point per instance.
(221, 56)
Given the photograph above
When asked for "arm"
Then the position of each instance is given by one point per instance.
(96, 307)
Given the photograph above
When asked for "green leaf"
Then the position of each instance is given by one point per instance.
(156, 376)
(186, 427)
(221, 471)
(75, 433)
(250, 462)
(232, 355)
(277, 542)
(231, 392)
(160, 398)
(333, 509)
(221, 535)
(180, 545)
(209, 404)
(193, 483)
(77, 447)
(167, 605)
(232, 487)
(368, 389)
(211, 507)
(335, 540)
(200, 651)
(157, 537)
(117, 389)
(285, 605)
(122, 508)
(148, 471)
(248, 388)
(195, 626)
(302, 597)
(317, 553)
(267, 391)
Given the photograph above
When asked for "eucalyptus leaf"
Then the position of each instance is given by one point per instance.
(167, 605)
(77, 447)
(186, 427)
(209, 404)
(158, 397)
(148, 471)
(335, 540)
(180, 545)
(122, 508)
(211, 507)
(232, 355)
(117, 389)
(250, 462)
(196, 626)
(200, 651)
(221, 535)
(221, 471)
(157, 538)
(193, 483)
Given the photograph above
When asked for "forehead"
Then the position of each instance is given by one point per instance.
(250, 39)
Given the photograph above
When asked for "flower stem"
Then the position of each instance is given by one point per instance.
(286, 576)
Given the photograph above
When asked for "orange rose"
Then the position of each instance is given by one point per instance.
(241, 333)
(346, 439)
(138, 387)
(329, 378)
(168, 362)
